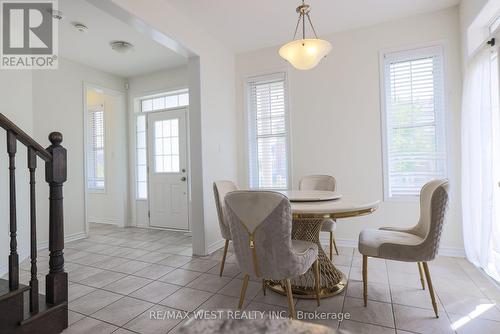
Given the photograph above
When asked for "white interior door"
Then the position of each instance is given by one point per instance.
(168, 184)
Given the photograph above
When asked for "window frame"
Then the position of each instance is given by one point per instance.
(252, 161)
(90, 149)
(441, 117)
(175, 92)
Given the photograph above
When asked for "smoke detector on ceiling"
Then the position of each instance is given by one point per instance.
(121, 46)
(80, 27)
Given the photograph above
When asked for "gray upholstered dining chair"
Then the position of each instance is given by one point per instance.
(328, 183)
(261, 227)
(221, 188)
(418, 244)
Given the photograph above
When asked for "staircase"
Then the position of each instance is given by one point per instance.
(22, 308)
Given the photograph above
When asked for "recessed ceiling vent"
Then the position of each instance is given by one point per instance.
(121, 46)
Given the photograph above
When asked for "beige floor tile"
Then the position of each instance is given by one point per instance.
(209, 283)
(127, 285)
(376, 313)
(376, 291)
(415, 297)
(74, 317)
(233, 289)
(230, 270)
(403, 279)
(421, 320)
(102, 278)
(154, 271)
(200, 265)
(130, 267)
(89, 325)
(110, 262)
(378, 275)
(76, 290)
(221, 302)
(93, 301)
(80, 273)
(362, 328)
(180, 277)
(473, 325)
(146, 324)
(122, 311)
(272, 298)
(332, 304)
(175, 260)
(466, 305)
(152, 257)
(186, 299)
(155, 291)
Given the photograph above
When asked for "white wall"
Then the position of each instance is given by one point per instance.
(109, 206)
(336, 118)
(58, 101)
(158, 82)
(212, 116)
(15, 94)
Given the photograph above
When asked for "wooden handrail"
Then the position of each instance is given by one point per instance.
(24, 138)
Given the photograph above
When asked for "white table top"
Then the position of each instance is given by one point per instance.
(347, 206)
(310, 195)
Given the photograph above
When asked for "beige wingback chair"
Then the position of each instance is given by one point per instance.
(418, 244)
(221, 188)
(328, 183)
(261, 227)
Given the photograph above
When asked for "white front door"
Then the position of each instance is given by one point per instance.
(168, 184)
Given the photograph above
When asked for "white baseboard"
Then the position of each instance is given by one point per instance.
(215, 246)
(67, 238)
(104, 221)
(443, 251)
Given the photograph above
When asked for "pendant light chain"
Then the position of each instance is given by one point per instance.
(310, 22)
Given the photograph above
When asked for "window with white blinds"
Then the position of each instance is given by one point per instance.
(268, 132)
(95, 151)
(414, 129)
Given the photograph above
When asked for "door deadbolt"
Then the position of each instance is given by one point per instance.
(183, 178)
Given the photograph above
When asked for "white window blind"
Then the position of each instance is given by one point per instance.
(268, 132)
(414, 136)
(95, 151)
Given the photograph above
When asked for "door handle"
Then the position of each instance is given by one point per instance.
(183, 179)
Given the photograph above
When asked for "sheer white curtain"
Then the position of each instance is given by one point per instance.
(480, 163)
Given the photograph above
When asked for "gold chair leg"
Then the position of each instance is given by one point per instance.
(419, 264)
(317, 279)
(431, 289)
(289, 295)
(264, 286)
(335, 244)
(243, 291)
(226, 245)
(365, 279)
(331, 245)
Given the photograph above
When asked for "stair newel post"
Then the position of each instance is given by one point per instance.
(55, 175)
(13, 256)
(33, 253)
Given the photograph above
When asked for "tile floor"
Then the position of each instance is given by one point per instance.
(117, 276)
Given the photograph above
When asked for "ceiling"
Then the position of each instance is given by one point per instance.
(247, 25)
(92, 47)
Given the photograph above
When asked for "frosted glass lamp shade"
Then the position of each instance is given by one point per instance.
(305, 54)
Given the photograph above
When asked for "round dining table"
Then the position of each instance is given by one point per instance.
(309, 210)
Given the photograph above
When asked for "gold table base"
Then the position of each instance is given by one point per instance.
(332, 280)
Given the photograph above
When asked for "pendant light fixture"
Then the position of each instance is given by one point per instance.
(305, 53)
